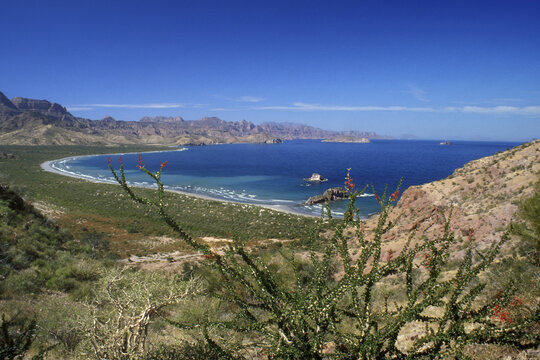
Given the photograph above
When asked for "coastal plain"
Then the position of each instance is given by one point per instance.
(75, 203)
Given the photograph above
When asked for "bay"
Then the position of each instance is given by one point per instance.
(273, 175)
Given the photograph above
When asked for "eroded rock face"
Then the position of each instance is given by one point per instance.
(39, 105)
(6, 106)
(331, 194)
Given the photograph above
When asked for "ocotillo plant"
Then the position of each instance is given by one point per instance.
(318, 318)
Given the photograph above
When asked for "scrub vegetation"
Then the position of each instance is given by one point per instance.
(66, 290)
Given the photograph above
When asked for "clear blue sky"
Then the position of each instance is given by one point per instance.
(435, 69)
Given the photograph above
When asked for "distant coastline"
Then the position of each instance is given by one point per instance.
(25, 121)
(348, 139)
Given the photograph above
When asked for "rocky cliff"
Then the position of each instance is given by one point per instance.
(42, 106)
(483, 197)
(7, 107)
(40, 122)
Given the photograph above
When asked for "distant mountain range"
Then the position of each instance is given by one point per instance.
(40, 122)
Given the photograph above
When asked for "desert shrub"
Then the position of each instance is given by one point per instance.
(96, 240)
(350, 316)
(27, 281)
(16, 337)
(132, 228)
(522, 265)
(59, 323)
(529, 227)
(35, 253)
(125, 302)
(183, 351)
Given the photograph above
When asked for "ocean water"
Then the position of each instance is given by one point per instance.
(273, 174)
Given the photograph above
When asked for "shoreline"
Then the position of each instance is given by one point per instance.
(46, 166)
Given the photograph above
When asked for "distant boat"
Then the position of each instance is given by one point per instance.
(445, 143)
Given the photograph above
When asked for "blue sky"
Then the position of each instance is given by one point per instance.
(434, 69)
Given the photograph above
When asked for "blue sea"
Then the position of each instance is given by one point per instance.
(274, 174)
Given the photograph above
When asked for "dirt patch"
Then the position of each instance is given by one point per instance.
(48, 210)
(171, 262)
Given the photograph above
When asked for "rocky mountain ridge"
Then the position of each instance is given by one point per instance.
(40, 122)
(291, 131)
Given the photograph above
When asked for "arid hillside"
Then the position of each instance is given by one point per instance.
(483, 197)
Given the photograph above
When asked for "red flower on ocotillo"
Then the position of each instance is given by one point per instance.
(349, 183)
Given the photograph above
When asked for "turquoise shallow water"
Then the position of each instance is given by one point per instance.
(273, 174)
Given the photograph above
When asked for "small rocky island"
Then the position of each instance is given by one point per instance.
(332, 194)
(315, 178)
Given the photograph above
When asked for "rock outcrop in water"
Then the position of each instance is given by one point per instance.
(332, 194)
(316, 178)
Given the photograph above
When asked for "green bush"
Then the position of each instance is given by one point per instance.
(35, 253)
(96, 240)
(522, 265)
(529, 226)
(59, 323)
(184, 351)
(27, 281)
(70, 276)
(16, 337)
